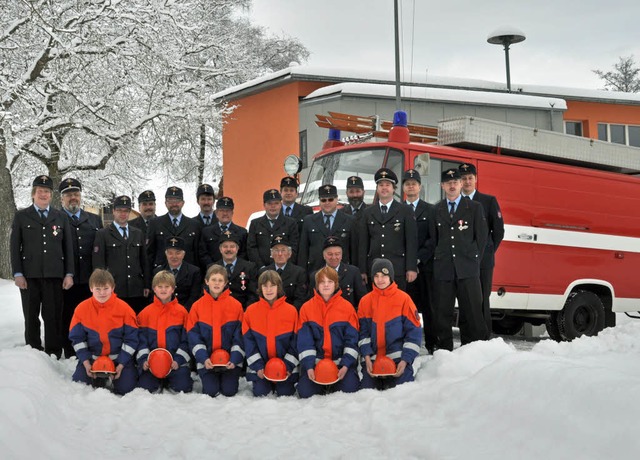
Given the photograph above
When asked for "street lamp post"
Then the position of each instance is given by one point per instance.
(506, 36)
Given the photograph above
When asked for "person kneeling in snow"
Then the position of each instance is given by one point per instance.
(389, 328)
(104, 326)
(214, 328)
(328, 329)
(162, 325)
(269, 332)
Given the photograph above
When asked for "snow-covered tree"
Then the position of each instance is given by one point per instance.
(625, 76)
(116, 91)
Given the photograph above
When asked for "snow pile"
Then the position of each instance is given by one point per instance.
(486, 400)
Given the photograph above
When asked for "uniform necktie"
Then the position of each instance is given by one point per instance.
(354, 210)
(229, 268)
(327, 221)
(174, 271)
(74, 219)
(279, 271)
(124, 232)
(175, 222)
(207, 220)
(413, 207)
(287, 211)
(43, 214)
(271, 222)
(383, 208)
(223, 228)
(452, 208)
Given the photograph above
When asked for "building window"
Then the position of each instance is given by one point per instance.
(619, 134)
(573, 127)
(603, 132)
(634, 136)
(302, 145)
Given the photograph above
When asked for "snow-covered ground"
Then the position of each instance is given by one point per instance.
(536, 400)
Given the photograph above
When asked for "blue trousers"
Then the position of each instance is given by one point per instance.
(123, 385)
(349, 384)
(382, 383)
(178, 380)
(264, 387)
(216, 382)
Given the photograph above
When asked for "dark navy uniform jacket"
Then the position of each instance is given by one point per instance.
(314, 232)
(393, 236)
(260, 234)
(84, 231)
(41, 249)
(460, 241)
(162, 228)
(125, 259)
(210, 243)
(495, 225)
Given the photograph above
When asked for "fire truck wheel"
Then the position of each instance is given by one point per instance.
(552, 326)
(509, 325)
(583, 314)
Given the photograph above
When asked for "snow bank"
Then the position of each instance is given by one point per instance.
(485, 400)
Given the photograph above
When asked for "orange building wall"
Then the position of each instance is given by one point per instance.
(263, 131)
(592, 113)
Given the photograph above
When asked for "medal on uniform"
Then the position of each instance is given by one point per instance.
(462, 225)
(55, 230)
(397, 226)
(242, 281)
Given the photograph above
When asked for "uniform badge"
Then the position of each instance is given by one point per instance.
(55, 230)
(462, 225)
(343, 235)
(243, 283)
(397, 226)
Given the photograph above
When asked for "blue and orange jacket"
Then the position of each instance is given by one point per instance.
(328, 330)
(389, 325)
(269, 331)
(104, 329)
(215, 324)
(163, 326)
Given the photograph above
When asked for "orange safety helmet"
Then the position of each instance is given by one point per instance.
(103, 366)
(275, 370)
(220, 357)
(160, 361)
(326, 372)
(383, 366)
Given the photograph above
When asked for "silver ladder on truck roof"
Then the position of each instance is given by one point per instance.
(522, 141)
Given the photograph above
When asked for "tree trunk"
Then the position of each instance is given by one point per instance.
(7, 210)
(201, 156)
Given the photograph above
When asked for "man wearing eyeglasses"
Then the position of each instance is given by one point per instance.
(317, 227)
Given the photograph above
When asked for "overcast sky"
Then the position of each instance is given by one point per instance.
(566, 39)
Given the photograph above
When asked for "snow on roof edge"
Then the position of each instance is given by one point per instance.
(346, 74)
(442, 94)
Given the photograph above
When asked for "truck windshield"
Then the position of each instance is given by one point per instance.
(337, 167)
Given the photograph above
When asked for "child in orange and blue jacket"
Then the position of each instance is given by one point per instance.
(215, 323)
(269, 331)
(104, 325)
(162, 325)
(389, 326)
(328, 328)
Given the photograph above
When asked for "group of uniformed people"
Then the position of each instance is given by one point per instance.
(439, 253)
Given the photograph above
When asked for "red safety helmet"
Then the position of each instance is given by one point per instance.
(160, 361)
(326, 372)
(275, 370)
(103, 366)
(220, 357)
(383, 366)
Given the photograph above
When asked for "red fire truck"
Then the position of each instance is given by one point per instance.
(571, 251)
